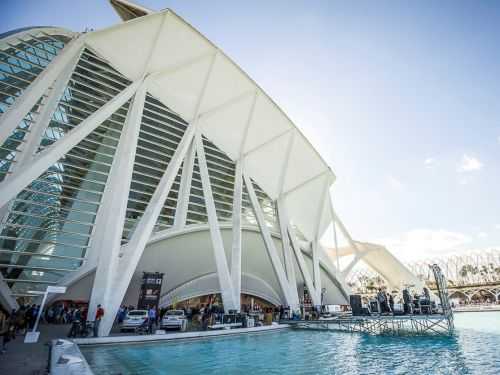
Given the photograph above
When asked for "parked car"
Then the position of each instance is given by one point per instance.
(134, 319)
(174, 319)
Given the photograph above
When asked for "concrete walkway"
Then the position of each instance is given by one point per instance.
(113, 339)
(31, 359)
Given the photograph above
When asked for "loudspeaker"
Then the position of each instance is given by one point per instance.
(355, 302)
(374, 306)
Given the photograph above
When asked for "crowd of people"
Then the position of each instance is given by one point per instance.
(409, 303)
(19, 321)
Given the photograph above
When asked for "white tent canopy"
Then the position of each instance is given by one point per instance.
(195, 79)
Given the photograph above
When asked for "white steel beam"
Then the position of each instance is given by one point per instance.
(132, 251)
(42, 120)
(210, 112)
(263, 144)
(8, 302)
(225, 282)
(287, 252)
(107, 235)
(185, 188)
(303, 266)
(247, 125)
(19, 180)
(32, 140)
(269, 244)
(23, 105)
(184, 64)
(236, 227)
(303, 183)
(343, 229)
(350, 266)
(284, 169)
(335, 240)
(316, 248)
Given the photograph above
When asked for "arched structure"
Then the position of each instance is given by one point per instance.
(379, 260)
(143, 147)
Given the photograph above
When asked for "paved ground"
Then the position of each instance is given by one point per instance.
(30, 359)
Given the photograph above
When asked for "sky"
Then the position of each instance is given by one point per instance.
(402, 100)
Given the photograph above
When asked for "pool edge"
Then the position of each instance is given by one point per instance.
(175, 336)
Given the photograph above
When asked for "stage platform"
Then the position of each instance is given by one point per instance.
(435, 324)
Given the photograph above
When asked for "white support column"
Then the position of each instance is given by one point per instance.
(287, 252)
(303, 267)
(225, 282)
(335, 240)
(316, 269)
(6, 300)
(271, 249)
(132, 251)
(236, 248)
(185, 188)
(108, 229)
(236, 221)
(315, 242)
(19, 180)
(283, 221)
(21, 107)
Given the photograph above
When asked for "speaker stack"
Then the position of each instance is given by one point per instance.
(355, 302)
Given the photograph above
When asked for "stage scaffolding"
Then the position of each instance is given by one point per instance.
(399, 325)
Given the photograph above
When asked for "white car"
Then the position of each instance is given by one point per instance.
(134, 319)
(174, 319)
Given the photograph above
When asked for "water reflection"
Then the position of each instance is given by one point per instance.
(308, 352)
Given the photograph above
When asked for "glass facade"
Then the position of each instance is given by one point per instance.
(46, 230)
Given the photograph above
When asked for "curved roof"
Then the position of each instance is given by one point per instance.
(10, 35)
(383, 262)
(197, 80)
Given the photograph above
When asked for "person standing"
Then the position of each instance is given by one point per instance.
(84, 331)
(151, 319)
(76, 323)
(391, 302)
(381, 301)
(97, 322)
(7, 335)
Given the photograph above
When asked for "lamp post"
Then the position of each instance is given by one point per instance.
(32, 337)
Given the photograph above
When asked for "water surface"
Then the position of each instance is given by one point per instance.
(474, 349)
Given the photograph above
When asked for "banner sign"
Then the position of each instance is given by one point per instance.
(150, 290)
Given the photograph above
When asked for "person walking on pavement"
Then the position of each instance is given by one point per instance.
(98, 316)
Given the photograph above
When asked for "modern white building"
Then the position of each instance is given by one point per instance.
(143, 147)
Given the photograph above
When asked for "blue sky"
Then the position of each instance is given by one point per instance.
(401, 98)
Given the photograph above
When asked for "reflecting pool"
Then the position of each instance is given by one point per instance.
(474, 349)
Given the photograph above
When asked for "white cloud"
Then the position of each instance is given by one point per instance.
(469, 164)
(425, 243)
(430, 162)
(498, 139)
(395, 183)
(482, 235)
(497, 226)
(463, 180)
